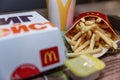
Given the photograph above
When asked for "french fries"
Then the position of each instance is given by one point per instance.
(90, 35)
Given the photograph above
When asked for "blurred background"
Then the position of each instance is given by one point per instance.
(19, 5)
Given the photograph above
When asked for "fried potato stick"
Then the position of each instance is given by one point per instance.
(115, 46)
(78, 27)
(104, 37)
(74, 54)
(77, 54)
(79, 41)
(99, 29)
(108, 34)
(72, 43)
(76, 36)
(82, 46)
(83, 19)
(94, 51)
(97, 37)
(98, 20)
(87, 28)
(92, 41)
(82, 24)
(89, 34)
(88, 23)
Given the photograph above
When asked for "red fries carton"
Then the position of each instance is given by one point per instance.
(99, 15)
(29, 45)
(91, 33)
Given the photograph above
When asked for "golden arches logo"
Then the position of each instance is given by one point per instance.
(50, 57)
(63, 12)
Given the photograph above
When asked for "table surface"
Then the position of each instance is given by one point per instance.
(106, 7)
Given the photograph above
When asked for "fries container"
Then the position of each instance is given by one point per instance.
(97, 15)
(29, 45)
(103, 21)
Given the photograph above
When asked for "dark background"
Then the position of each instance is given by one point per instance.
(19, 5)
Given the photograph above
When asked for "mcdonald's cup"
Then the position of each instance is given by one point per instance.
(61, 12)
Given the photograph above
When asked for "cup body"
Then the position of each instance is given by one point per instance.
(61, 12)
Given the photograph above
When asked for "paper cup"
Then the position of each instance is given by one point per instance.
(61, 12)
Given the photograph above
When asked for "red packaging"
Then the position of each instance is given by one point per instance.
(102, 24)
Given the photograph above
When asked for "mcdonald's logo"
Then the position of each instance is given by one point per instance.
(63, 10)
(49, 56)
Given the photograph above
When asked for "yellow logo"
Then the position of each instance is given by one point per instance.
(50, 57)
(63, 10)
